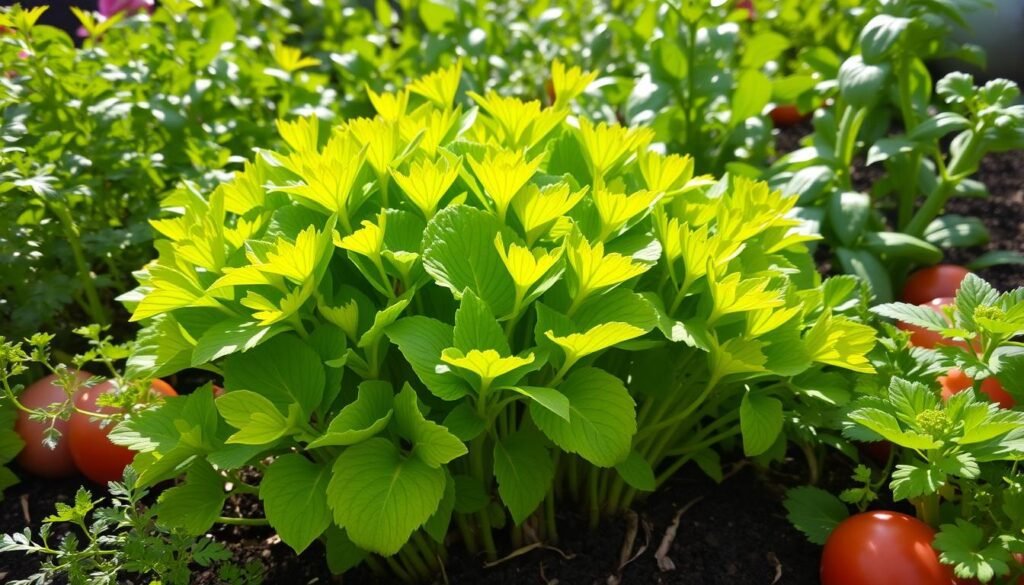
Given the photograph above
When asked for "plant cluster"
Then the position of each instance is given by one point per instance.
(443, 316)
(957, 451)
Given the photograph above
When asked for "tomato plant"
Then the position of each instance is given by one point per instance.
(93, 453)
(929, 338)
(882, 547)
(45, 454)
(941, 281)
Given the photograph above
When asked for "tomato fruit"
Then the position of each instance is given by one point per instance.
(882, 548)
(941, 280)
(96, 457)
(36, 458)
(786, 115)
(921, 337)
(956, 381)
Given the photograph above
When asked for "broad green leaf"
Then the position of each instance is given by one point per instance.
(380, 496)
(476, 327)
(597, 338)
(880, 35)
(421, 341)
(431, 442)
(815, 512)
(848, 213)
(459, 253)
(464, 422)
(362, 419)
(342, 554)
(602, 418)
(524, 470)
(869, 268)
(888, 427)
(861, 84)
(549, 398)
(637, 472)
(753, 92)
(760, 422)
(195, 505)
(160, 349)
(283, 370)
(235, 334)
(294, 497)
(897, 245)
(437, 525)
(258, 420)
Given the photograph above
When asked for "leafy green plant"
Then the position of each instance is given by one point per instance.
(95, 136)
(958, 455)
(447, 316)
(106, 544)
(879, 234)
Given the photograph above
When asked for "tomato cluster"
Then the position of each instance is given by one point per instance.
(84, 445)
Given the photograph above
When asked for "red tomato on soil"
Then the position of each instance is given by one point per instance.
(882, 548)
(96, 457)
(35, 457)
(922, 337)
(956, 381)
(941, 280)
(786, 115)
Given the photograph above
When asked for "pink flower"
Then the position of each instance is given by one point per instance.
(109, 8)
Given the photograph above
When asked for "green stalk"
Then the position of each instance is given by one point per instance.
(398, 570)
(468, 537)
(476, 453)
(908, 186)
(549, 518)
(595, 504)
(846, 141)
(937, 199)
(93, 306)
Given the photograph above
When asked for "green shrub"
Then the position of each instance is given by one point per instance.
(437, 311)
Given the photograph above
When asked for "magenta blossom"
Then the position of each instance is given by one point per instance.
(109, 8)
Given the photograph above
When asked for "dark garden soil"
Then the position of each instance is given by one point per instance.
(734, 533)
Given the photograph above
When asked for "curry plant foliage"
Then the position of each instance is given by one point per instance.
(446, 316)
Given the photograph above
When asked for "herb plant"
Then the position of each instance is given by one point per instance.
(441, 315)
(958, 455)
(881, 233)
(103, 545)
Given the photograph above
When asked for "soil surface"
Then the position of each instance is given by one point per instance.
(734, 533)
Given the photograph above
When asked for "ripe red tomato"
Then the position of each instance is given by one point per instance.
(876, 548)
(922, 337)
(96, 457)
(941, 280)
(35, 457)
(786, 115)
(956, 381)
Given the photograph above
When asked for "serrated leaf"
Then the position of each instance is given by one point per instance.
(380, 497)
(294, 491)
(814, 512)
(476, 327)
(421, 341)
(193, 506)
(602, 418)
(257, 419)
(432, 443)
(524, 470)
(362, 419)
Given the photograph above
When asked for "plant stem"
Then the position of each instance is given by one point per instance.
(595, 503)
(94, 308)
(483, 516)
(242, 521)
(846, 142)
